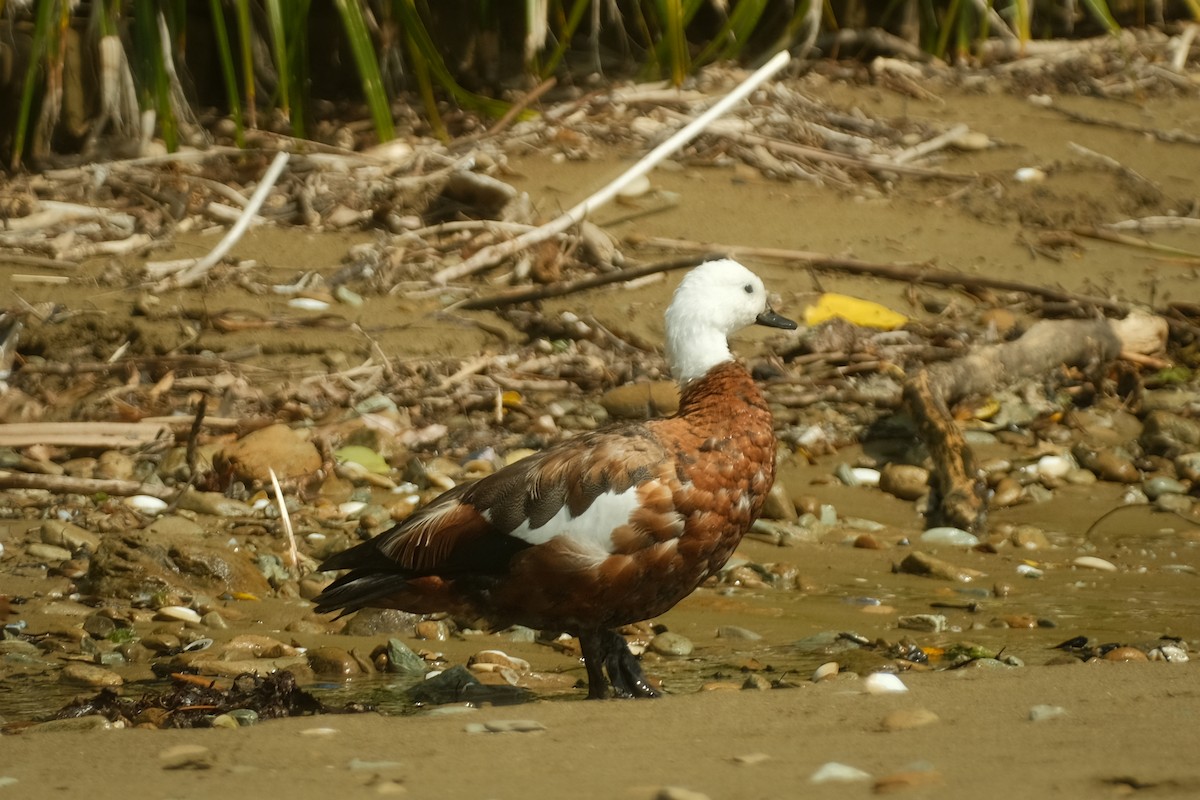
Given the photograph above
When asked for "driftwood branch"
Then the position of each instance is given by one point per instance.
(69, 485)
(490, 256)
(104, 435)
(959, 496)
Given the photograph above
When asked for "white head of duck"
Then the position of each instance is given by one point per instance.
(714, 300)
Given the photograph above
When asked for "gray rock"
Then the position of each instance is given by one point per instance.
(47, 553)
(671, 644)
(79, 674)
(402, 660)
(72, 537)
(376, 621)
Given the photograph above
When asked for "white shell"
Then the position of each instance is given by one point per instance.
(1028, 571)
(1093, 562)
(952, 537)
(825, 671)
(180, 613)
(883, 683)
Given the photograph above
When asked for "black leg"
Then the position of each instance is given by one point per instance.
(606, 652)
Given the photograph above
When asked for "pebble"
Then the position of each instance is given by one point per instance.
(434, 630)
(952, 537)
(641, 400)
(403, 661)
(146, 504)
(1007, 492)
(186, 756)
(679, 793)
(1161, 485)
(1171, 653)
(1107, 464)
(1125, 653)
(906, 779)
(1054, 467)
(86, 724)
(1028, 537)
(930, 623)
(671, 644)
(918, 563)
(1094, 562)
(1029, 571)
(834, 772)
(381, 621)
(756, 683)
(47, 553)
(1187, 466)
(779, 505)
(72, 537)
(1179, 503)
(333, 661)
(500, 659)
(289, 452)
(734, 632)
(883, 683)
(903, 719)
(79, 674)
(214, 504)
(1041, 713)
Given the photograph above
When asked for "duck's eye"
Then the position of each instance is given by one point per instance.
(749, 289)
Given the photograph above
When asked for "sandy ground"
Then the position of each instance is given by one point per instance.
(1127, 728)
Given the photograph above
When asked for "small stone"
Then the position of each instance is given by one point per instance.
(162, 643)
(865, 541)
(245, 717)
(98, 626)
(333, 661)
(642, 400)
(735, 632)
(1125, 653)
(72, 537)
(948, 536)
(671, 644)
(86, 724)
(779, 505)
(47, 553)
(114, 465)
(214, 620)
(186, 756)
(1019, 621)
(79, 674)
(906, 481)
(434, 630)
(499, 658)
(756, 683)
(403, 661)
(907, 779)
(930, 623)
(679, 793)
(375, 621)
(1041, 713)
(1028, 537)
(1007, 492)
(883, 683)
(224, 721)
(918, 563)
(1161, 485)
(277, 447)
(903, 719)
(833, 772)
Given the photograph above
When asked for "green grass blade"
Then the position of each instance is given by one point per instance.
(43, 28)
(368, 67)
(228, 72)
(279, 49)
(1100, 11)
(246, 49)
(565, 35)
(737, 29)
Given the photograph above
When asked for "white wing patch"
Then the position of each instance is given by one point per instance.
(592, 529)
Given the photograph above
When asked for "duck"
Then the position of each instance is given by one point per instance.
(604, 529)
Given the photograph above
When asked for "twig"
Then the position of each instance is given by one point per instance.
(570, 287)
(1132, 241)
(66, 484)
(188, 272)
(1159, 223)
(909, 272)
(108, 435)
(194, 435)
(293, 560)
(489, 256)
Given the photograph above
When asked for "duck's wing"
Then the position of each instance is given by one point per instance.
(599, 493)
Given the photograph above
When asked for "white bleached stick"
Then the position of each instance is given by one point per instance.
(489, 256)
(187, 272)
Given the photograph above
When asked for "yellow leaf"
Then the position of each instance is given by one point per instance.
(852, 309)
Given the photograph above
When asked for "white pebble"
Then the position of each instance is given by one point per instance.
(866, 476)
(1054, 466)
(883, 683)
(308, 304)
(1040, 713)
(351, 507)
(636, 188)
(146, 504)
(319, 732)
(1029, 175)
(833, 772)
(1092, 562)
(1171, 653)
(954, 537)
(1029, 571)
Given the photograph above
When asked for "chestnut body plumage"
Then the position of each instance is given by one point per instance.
(605, 529)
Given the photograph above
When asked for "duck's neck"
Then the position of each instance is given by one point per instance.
(692, 354)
